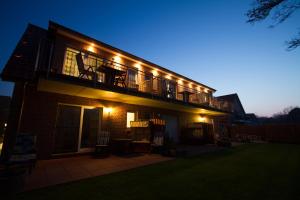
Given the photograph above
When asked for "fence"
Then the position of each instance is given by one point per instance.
(283, 133)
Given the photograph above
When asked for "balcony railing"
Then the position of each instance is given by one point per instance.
(110, 72)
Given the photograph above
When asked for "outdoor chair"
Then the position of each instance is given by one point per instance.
(102, 148)
(157, 144)
(120, 79)
(24, 152)
(83, 72)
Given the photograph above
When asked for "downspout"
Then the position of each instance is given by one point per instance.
(22, 106)
(50, 60)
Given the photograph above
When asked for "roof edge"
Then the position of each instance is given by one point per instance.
(54, 25)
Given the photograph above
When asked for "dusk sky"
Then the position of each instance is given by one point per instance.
(208, 41)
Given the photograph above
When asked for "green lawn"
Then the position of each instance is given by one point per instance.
(255, 171)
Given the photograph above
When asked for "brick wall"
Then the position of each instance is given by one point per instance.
(40, 110)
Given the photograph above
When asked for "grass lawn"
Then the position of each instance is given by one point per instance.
(255, 171)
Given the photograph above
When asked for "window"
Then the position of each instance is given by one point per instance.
(155, 84)
(70, 65)
(132, 78)
(130, 117)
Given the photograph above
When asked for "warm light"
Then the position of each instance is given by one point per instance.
(107, 110)
(190, 85)
(130, 118)
(154, 72)
(168, 76)
(117, 58)
(199, 89)
(202, 119)
(206, 90)
(5, 124)
(91, 48)
(138, 66)
(180, 81)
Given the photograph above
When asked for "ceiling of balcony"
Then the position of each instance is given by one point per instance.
(95, 93)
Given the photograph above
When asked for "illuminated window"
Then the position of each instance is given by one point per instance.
(130, 117)
(70, 65)
(155, 84)
(132, 78)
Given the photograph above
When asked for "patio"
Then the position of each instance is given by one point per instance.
(63, 170)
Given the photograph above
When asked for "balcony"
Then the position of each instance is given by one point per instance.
(113, 74)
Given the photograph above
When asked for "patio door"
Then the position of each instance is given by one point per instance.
(171, 126)
(91, 123)
(77, 128)
(67, 129)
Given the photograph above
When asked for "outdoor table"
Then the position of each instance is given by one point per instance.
(110, 74)
(141, 146)
(185, 95)
(121, 146)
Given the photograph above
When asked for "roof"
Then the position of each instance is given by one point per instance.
(232, 98)
(21, 64)
(56, 26)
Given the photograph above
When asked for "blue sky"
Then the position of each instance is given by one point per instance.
(208, 41)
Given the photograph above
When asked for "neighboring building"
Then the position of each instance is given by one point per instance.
(232, 102)
(251, 119)
(69, 86)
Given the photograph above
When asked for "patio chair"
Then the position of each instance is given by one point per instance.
(83, 72)
(158, 143)
(24, 152)
(102, 148)
(120, 79)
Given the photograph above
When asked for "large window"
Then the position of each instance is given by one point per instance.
(132, 78)
(70, 65)
(130, 117)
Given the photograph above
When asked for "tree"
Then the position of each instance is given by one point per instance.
(280, 11)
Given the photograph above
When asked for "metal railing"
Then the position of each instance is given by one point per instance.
(134, 79)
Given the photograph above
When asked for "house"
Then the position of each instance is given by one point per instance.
(69, 86)
(232, 102)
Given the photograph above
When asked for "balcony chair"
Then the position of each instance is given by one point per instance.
(83, 72)
(120, 79)
(102, 148)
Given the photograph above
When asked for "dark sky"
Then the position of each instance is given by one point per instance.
(207, 41)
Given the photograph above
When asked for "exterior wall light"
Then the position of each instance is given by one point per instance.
(107, 110)
(154, 72)
(117, 59)
(137, 65)
(91, 48)
(202, 119)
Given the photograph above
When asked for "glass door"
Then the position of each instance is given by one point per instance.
(91, 123)
(67, 129)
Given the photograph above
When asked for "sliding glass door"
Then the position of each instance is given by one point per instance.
(67, 129)
(77, 128)
(90, 127)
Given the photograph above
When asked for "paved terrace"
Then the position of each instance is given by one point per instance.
(63, 170)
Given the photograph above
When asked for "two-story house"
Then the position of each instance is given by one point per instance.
(69, 86)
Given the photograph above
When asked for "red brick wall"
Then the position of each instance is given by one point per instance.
(40, 108)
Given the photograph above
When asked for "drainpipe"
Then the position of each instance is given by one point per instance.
(22, 106)
(50, 59)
